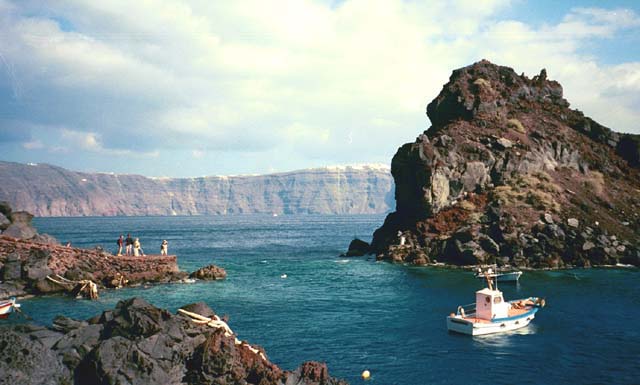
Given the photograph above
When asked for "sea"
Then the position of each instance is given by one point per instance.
(289, 290)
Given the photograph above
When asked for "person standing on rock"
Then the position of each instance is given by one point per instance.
(402, 238)
(129, 243)
(136, 248)
(164, 247)
(120, 244)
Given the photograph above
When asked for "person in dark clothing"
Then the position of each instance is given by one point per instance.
(129, 243)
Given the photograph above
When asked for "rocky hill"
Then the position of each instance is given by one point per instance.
(509, 173)
(46, 190)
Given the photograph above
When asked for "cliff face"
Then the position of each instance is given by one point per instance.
(46, 190)
(509, 173)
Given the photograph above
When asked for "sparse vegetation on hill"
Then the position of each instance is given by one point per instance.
(548, 187)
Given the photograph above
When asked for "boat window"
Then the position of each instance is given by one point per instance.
(497, 300)
(487, 299)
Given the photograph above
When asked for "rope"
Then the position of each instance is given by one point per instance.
(61, 280)
(87, 285)
(217, 323)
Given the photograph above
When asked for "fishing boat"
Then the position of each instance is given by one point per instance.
(492, 314)
(8, 306)
(502, 275)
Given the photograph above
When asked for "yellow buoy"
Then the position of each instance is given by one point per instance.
(365, 375)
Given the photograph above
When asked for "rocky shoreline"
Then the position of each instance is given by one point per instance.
(138, 343)
(35, 264)
(361, 252)
(135, 343)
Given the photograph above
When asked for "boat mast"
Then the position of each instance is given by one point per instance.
(495, 269)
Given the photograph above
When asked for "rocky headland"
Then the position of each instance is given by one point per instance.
(138, 343)
(46, 190)
(33, 263)
(508, 173)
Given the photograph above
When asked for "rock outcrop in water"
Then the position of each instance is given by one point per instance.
(509, 172)
(46, 190)
(138, 343)
(209, 273)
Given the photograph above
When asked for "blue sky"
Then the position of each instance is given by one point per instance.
(191, 88)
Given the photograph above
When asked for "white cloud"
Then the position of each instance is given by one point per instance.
(33, 145)
(91, 142)
(198, 154)
(256, 76)
(611, 19)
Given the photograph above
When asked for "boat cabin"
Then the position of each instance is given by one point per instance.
(490, 304)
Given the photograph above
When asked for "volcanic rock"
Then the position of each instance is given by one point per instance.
(357, 248)
(26, 263)
(5, 209)
(507, 160)
(4, 222)
(27, 357)
(137, 343)
(504, 143)
(209, 273)
(20, 226)
(12, 269)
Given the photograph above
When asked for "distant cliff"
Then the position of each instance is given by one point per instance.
(46, 190)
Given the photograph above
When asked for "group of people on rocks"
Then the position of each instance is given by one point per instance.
(132, 246)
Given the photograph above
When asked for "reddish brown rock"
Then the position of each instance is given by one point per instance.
(37, 260)
(209, 273)
(504, 150)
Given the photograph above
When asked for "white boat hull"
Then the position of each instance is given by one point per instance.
(7, 307)
(459, 324)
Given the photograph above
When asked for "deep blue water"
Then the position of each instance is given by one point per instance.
(358, 314)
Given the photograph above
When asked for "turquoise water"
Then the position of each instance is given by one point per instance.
(358, 314)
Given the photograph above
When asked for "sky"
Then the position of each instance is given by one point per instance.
(191, 88)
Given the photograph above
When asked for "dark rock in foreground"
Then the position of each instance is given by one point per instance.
(508, 173)
(138, 343)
